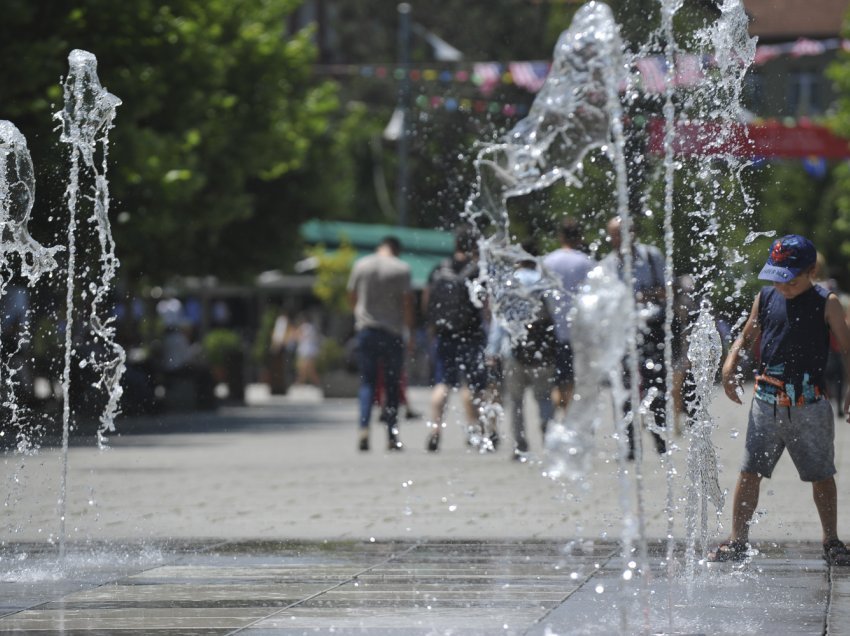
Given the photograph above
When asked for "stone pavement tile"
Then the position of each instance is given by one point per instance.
(445, 587)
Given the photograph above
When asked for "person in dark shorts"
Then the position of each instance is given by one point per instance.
(458, 328)
(794, 319)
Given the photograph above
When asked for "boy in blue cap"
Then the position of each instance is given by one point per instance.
(790, 409)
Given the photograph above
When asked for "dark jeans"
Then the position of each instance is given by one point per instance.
(378, 347)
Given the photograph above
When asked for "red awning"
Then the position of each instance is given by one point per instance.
(768, 139)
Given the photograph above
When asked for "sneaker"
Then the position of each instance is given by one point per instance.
(494, 440)
(433, 444)
(394, 442)
(836, 553)
(364, 441)
(410, 414)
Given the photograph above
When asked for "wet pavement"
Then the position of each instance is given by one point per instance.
(426, 587)
(266, 520)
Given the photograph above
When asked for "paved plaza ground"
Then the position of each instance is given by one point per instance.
(265, 519)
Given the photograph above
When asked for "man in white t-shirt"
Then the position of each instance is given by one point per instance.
(571, 265)
(379, 291)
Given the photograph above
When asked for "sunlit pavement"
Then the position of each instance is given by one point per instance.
(266, 519)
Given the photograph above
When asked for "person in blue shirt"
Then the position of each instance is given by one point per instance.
(792, 321)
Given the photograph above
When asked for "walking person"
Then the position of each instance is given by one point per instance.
(532, 360)
(458, 328)
(792, 320)
(572, 266)
(379, 290)
(648, 286)
(308, 342)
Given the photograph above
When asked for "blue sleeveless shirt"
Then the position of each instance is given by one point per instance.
(794, 347)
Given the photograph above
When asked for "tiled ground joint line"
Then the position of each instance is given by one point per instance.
(835, 620)
(306, 599)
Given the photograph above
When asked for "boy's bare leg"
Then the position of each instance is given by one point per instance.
(826, 499)
(744, 505)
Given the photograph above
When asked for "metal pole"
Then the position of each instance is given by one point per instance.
(403, 179)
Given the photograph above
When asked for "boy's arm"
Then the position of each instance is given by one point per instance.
(731, 377)
(839, 329)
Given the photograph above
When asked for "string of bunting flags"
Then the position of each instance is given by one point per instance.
(794, 139)
(530, 75)
(466, 105)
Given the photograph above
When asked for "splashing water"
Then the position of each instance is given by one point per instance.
(572, 114)
(577, 109)
(580, 109)
(17, 195)
(598, 349)
(85, 123)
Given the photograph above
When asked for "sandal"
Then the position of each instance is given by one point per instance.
(836, 553)
(734, 551)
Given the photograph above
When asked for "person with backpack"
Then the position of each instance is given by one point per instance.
(648, 285)
(532, 359)
(457, 326)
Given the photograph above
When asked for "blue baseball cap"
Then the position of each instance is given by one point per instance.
(789, 256)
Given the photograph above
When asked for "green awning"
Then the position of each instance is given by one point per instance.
(420, 248)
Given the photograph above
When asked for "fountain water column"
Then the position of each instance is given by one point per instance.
(716, 101)
(615, 110)
(86, 119)
(704, 354)
(668, 11)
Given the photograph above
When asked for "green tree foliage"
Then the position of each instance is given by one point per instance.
(332, 274)
(224, 142)
(839, 73)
